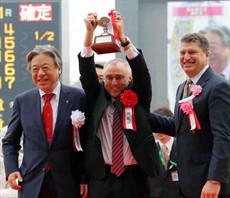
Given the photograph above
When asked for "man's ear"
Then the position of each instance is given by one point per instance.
(59, 71)
(130, 78)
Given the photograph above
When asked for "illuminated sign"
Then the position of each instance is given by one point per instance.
(22, 27)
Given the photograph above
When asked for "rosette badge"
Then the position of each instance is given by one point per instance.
(78, 120)
(186, 106)
(129, 99)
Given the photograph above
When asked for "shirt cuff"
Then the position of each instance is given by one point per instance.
(132, 52)
(86, 52)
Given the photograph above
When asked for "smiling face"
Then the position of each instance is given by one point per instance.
(192, 58)
(45, 73)
(116, 77)
(220, 53)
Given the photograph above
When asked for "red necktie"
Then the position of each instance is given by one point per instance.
(186, 91)
(117, 146)
(48, 116)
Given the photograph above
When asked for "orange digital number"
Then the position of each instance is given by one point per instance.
(48, 35)
(9, 56)
(8, 29)
(10, 80)
(9, 42)
(9, 69)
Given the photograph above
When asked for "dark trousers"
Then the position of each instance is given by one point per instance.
(48, 188)
(132, 183)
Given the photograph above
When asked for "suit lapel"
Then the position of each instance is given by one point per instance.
(63, 106)
(172, 156)
(102, 102)
(178, 111)
(202, 82)
(38, 114)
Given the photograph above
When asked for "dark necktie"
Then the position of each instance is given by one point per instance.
(48, 116)
(165, 155)
(187, 86)
(117, 146)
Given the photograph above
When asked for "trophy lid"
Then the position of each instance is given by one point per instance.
(103, 20)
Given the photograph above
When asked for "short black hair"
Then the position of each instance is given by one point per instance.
(97, 65)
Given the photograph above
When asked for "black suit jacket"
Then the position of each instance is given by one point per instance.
(141, 142)
(26, 122)
(204, 155)
(163, 186)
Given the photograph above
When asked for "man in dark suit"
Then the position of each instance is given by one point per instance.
(166, 184)
(202, 124)
(123, 83)
(50, 168)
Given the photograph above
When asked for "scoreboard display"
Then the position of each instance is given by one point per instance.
(22, 27)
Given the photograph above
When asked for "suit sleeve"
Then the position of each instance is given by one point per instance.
(11, 141)
(219, 115)
(141, 80)
(162, 124)
(88, 76)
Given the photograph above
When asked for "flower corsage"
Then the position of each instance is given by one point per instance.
(78, 120)
(186, 106)
(129, 99)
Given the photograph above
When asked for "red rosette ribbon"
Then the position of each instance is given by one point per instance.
(112, 15)
(187, 107)
(129, 99)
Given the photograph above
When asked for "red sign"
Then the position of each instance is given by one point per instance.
(35, 12)
(198, 11)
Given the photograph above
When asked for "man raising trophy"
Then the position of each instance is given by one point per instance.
(119, 154)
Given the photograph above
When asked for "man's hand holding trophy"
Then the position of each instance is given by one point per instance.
(107, 42)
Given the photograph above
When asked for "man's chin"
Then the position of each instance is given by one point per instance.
(114, 95)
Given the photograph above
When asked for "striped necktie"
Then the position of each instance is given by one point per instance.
(165, 155)
(117, 146)
(187, 88)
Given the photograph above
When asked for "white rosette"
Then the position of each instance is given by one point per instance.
(78, 120)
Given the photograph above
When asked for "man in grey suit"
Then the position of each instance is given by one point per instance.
(127, 90)
(201, 123)
(49, 169)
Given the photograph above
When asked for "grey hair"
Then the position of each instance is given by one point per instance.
(115, 61)
(222, 31)
(197, 38)
(44, 49)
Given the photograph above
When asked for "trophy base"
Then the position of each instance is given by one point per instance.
(105, 44)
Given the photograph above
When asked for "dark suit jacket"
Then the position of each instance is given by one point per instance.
(141, 142)
(26, 122)
(163, 185)
(204, 155)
